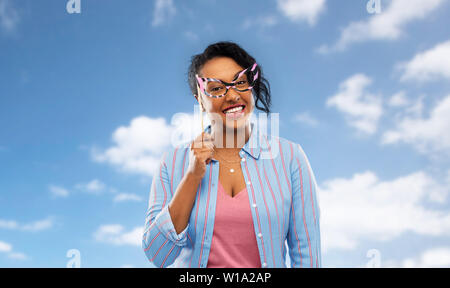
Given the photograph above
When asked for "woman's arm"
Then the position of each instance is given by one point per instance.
(201, 151)
(304, 226)
(180, 206)
(161, 242)
(166, 231)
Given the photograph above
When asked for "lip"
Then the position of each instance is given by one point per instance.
(232, 106)
(236, 115)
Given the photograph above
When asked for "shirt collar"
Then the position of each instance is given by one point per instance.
(253, 145)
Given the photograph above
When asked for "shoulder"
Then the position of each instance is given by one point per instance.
(281, 146)
(299, 159)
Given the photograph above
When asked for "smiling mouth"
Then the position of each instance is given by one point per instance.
(234, 110)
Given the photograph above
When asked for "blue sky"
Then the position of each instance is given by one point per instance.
(83, 95)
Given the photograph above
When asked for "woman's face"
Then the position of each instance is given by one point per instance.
(225, 69)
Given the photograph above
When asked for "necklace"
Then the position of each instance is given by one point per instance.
(231, 170)
(225, 160)
(217, 153)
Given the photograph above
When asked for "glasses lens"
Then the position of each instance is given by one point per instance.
(242, 82)
(215, 88)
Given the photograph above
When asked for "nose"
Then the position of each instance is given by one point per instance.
(232, 95)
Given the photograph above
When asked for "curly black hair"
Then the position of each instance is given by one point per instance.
(261, 89)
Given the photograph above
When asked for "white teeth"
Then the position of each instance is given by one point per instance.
(236, 109)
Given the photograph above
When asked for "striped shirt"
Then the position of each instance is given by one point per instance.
(282, 192)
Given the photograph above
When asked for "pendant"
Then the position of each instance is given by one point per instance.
(231, 170)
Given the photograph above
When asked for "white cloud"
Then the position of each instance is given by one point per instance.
(260, 22)
(428, 65)
(301, 10)
(398, 100)
(191, 36)
(115, 234)
(8, 249)
(365, 207)
(163, 11)
(17, 256)
(139, 146)
(9, 18)
(361, 109)
(436, 257)
(425, 134)
(127, 197)
(414, 109)
(38, 225)
(35, 226)
(306, 118)
(94, 186)
(5, 247)
(388, 25)
(97, 187)
(8, 224)
(58, 191)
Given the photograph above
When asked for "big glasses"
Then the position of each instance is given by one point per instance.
(216, 88)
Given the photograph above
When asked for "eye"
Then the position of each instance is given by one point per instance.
(215, 89)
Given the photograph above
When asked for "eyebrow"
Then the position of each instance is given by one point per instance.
(234, 77)
(237, 74)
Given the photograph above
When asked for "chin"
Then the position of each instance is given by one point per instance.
(230, 124)
(235, 124)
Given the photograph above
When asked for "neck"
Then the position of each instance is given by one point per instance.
(231, 138)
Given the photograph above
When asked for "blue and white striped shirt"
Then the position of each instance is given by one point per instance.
(282, 193)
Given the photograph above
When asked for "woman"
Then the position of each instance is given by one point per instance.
(219, 204)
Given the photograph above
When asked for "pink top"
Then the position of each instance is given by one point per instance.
(234, 241)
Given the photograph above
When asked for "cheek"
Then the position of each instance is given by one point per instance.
(214, 108)
(216, 105)
(210, 104)
(252, 99)
(250, 102)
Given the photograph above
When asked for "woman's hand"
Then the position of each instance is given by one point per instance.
(180, 207)
(202, 150)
